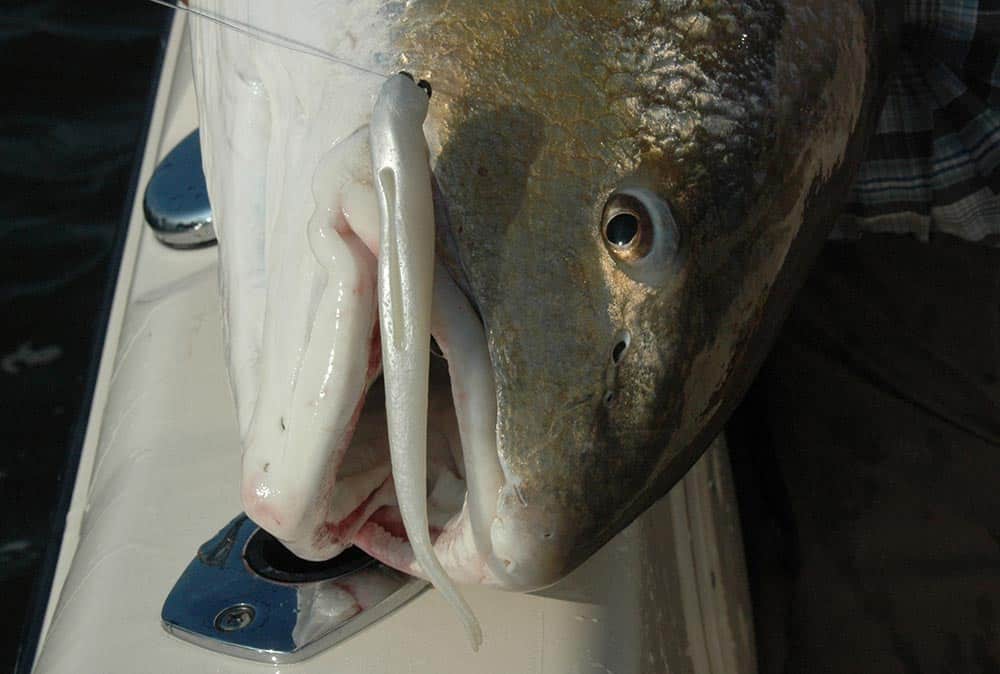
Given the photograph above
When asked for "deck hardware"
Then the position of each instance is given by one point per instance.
(245, 596)
(176, 200)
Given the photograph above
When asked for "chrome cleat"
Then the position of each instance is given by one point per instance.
(245, 595)
(176, 200)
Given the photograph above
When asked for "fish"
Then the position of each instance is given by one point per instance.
(599, 214)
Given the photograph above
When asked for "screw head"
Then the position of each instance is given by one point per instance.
(235, 618)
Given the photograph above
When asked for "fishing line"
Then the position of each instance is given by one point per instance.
(270, 37)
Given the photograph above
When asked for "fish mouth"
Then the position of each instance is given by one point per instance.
(376, 523)
(365, 479)
(404, 465)
(356, 501)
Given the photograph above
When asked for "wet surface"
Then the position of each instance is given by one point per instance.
(76, 79)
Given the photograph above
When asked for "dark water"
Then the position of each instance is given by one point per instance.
(76, 79)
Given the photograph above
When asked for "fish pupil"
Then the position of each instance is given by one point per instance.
(622, 229)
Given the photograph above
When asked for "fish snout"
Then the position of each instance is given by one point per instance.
(529, 541)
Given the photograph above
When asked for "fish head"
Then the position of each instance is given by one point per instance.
(626, 194)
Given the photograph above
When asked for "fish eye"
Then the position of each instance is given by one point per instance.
(627, 226)
(640, 233)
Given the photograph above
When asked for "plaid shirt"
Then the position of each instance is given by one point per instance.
(934, 163)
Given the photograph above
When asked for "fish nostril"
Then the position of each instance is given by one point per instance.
(624, 338)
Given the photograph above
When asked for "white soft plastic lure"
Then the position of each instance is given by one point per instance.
(402, 177)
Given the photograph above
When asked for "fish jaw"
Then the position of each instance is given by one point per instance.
(284, 144)
(297, 481)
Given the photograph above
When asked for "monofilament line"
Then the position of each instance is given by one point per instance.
(270, 37)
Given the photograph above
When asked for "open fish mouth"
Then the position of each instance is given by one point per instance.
(403, 465)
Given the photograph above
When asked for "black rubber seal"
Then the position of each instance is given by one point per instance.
(268, 558)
